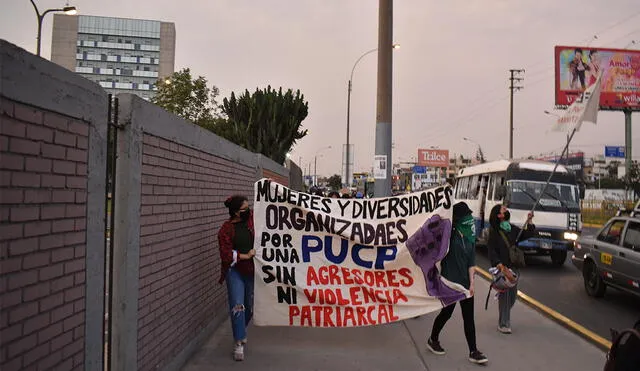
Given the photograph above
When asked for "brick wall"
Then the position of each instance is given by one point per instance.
(43, 196)
(183, 190)
(284, 180)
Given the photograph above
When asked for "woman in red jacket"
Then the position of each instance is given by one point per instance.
(235, 240)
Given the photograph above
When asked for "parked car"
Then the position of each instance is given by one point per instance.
(612, 257)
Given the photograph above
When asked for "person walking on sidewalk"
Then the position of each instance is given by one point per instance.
(235, 240)
(502, 236)
(459, 266)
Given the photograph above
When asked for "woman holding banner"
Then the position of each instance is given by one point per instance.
(235, 240)
(503, 236)
(458, 266)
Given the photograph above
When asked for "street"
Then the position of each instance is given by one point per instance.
(562, 289)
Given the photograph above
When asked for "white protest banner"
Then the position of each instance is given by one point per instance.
(584, 109)
(323, 262)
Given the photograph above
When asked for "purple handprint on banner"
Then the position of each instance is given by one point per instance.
(429, 246)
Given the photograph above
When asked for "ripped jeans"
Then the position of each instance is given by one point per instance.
(240, 291)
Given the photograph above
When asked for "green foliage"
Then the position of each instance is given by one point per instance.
(266, 122)
(188, 98)
(632, 180)
(335, 182)
(609, 183)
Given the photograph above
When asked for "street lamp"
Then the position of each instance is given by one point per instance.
(479, 148)
(347, 150)
(69, 10)
(315, 166)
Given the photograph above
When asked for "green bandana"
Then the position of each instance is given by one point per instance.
(466, 226)
(505, 226)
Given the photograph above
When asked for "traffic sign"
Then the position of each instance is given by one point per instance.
(614, 151)
(419, 169)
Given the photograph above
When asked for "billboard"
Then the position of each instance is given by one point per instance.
(433, 157)
(577, 68)
(574, 162)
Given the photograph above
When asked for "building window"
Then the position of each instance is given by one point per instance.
(146, 68)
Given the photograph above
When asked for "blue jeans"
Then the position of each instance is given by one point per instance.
(240, 291)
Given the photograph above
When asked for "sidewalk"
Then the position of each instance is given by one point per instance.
(537, 343)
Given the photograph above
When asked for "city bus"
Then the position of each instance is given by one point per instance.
(518, 184)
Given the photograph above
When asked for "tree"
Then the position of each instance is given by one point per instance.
(610, 183)
(632, 180)
(266, 122)
(612, 169)
(335, 182)
(188, 98)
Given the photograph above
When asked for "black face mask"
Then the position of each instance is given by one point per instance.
(507, 216)
(244, 215)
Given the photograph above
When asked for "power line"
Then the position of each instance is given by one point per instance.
(544, 72)
(452, 126)
(616, 24)
(625, 36)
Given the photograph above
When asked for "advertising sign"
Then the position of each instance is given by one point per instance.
(433, 157)
(323, 262)
(380, 167)
(419, 169)
(577, 68)
(574, 162)
(614, 151)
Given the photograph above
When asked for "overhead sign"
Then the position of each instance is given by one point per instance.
(419, 170)
(433, 157)
(323, 262)
(614, 151)
(574, 161)
(577, 68)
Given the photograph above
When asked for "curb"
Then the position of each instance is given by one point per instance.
(585, 333)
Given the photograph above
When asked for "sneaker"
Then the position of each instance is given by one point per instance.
(504, 330)
(478, 358)
(238, 352)
(435, 348)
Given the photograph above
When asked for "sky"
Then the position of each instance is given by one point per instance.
(450, 75)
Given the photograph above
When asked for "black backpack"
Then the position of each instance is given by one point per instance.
(624, 354)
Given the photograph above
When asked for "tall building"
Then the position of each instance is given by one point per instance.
(122, 55)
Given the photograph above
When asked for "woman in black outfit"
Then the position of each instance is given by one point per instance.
(502, 231)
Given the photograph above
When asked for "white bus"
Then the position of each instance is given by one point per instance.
(517, 185)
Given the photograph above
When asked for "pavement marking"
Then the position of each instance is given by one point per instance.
(591, 225)
(563, 320)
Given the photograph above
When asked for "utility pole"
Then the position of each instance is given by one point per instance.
(627, 142)
(382, 187)
(514, 80)
(315, 171)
